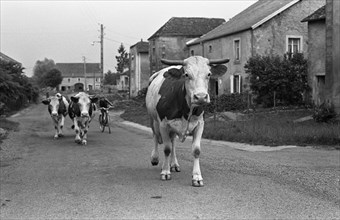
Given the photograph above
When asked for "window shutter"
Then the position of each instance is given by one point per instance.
(232, 84)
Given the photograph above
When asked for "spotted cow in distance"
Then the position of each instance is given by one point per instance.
(174, 101)
(57, 107)
(81, 111)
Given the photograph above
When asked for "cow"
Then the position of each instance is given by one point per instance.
(81, 111)
(174, 102)
(57, 107)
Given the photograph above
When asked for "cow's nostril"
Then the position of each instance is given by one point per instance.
(201, 96)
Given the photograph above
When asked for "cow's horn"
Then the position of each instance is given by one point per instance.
(219, 61)
(172, 62)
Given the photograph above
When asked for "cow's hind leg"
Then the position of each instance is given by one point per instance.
(197, 179)
(157, 140)
(166, 174)
(174, 163)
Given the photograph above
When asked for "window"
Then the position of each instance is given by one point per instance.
(69, 80)
(237, 50)
(210, 48)
(293, 44)
(192, 53)
(235, 84)
(153, 51)
(78, 79)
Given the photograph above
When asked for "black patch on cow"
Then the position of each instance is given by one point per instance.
(62, 107)
(73, 110)
(172, 103)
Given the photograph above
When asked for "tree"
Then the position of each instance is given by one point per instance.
(53, 78)
(122, 60)
(110, 78)
(40, 69)
(15, 88)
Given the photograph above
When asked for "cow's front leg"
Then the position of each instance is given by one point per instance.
(84, 135)
(197, 179)
(61, 126)
(166, 174)
(77, 130)
(174, 163)
(56, 127)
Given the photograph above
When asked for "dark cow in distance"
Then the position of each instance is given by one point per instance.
(57, 107)
(81, 111)
(174, 102)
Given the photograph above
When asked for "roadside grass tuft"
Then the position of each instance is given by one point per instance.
(8, 126)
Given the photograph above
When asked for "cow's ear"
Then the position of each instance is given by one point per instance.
(74, 99)
(175, 73)
(94, 99)
(218, 70)
(46, 101)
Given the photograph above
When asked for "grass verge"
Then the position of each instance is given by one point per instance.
(266, 128)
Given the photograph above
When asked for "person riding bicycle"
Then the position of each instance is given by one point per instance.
(104, 103)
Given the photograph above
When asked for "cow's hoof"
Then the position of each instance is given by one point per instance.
(78, 141)
(56, 137)
(84, 142)
(165, 177)
(60, 135)
(175, 168)
(197, 183)
(154, 161)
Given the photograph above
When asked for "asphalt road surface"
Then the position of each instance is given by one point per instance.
(112, 178)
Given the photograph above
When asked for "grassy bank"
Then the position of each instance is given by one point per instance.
(266, 128)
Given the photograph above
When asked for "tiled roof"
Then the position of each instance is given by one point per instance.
(7, 58)
(187, 26)
(141, 47)
(77, 69)
(319, 14)
(251, 17)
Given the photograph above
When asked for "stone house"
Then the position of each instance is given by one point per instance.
(323, 54)
(265, 28)
(6, 58)
(139, 67)
(169, 41)
(123, 81)
(76, 79)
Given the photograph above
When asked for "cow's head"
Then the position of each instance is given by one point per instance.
(197, 71)
(53, 103)
(84, 102)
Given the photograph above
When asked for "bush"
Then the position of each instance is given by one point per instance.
(324, 113)
(285, 78)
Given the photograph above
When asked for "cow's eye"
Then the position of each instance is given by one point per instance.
(209, 74)
(186, 75)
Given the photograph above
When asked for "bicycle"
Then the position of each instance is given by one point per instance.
(104, 119)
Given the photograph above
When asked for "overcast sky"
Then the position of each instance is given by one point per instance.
(64, 30)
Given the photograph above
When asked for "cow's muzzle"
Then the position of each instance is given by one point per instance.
(84, 114)
(201, 98)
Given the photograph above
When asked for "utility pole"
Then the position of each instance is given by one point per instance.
(84, 59)
(102, 52)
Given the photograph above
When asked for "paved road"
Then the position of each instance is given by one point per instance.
(112, 177)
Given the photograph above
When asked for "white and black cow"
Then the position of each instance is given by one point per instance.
(174, 102)
(57, 107)
(81, 111)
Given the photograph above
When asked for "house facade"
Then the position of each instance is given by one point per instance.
(79, 77)
(169, 42)
(139, 67)
(324, 54)
(265, 28)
